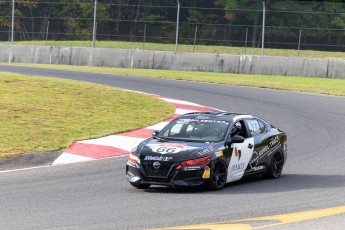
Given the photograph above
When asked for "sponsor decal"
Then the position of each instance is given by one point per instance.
(157, 158)
(254, 127)
(214, 121)
(238, 153)
(219, 154)
(239, 160)
(169, 148)
(266, 150)
(237, 167)
(202, 117)
(183, 121)
(207, 173)
(274, 141)
(202, 120)
(205, 151)
(191, 168)
(257, 168)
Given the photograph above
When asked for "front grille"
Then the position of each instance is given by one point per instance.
(161, 172)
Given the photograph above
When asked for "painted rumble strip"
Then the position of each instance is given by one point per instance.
(265, 221)
(121, 144)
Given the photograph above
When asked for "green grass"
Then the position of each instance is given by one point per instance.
(42, 114)
(190, 48)
(300, 84)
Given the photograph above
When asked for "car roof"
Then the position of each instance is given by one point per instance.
(216, 115)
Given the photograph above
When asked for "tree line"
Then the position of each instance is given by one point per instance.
(224, 22)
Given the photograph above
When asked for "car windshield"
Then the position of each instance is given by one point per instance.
(195, 129)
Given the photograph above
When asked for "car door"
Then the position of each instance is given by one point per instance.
(241, 153)
(257, 130)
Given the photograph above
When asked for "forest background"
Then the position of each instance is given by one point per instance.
(308, 25)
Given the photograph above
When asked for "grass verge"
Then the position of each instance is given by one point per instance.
(41, 114)
(300, 84)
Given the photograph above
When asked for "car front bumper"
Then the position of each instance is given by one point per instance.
(185, 177)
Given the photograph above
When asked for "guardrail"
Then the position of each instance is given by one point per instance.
(144, 59)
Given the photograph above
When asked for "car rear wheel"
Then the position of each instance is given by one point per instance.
(140, 186)
(218, 176)
(276, 167)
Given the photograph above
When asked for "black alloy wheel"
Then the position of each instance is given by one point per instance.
(218, 176)
(276, 167)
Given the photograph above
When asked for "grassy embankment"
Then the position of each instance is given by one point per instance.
(189, 48)
(42, 114)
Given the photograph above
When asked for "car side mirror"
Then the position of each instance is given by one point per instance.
(237, 139)
(234, 140)
(155, 133)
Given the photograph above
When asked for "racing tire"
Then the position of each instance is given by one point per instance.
(218, 176)
(140, 186)
(276, 167)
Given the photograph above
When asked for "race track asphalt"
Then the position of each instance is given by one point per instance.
(95, 195)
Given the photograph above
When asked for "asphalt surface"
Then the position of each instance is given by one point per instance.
(95, 195)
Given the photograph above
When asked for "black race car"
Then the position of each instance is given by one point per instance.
(209, 149)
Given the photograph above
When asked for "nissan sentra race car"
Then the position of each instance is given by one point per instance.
(209, 149)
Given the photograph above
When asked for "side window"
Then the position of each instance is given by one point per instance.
(239, 128)
(254, 127)
(262, 126)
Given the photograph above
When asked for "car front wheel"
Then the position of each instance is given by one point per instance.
(218, 176)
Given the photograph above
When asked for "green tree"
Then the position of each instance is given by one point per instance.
(243, 12)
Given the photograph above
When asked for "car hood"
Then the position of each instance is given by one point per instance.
(154, 149)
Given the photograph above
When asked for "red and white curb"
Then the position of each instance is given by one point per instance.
(122, 144)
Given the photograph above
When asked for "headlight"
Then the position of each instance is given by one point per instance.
(133, 158)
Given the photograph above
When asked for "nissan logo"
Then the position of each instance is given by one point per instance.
(156, 165)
